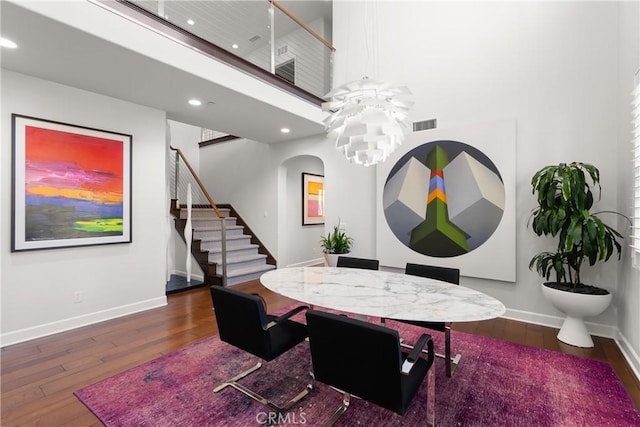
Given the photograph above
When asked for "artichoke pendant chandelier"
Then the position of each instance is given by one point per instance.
(367, 119)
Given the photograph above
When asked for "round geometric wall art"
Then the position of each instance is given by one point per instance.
(443, 199)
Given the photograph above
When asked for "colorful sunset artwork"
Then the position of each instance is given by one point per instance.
(73, 185)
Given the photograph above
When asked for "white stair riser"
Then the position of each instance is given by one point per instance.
(211, 222)
(217, 256)
(203, 213)
(216, 245)
(246, 261)
(247, 277)
(216, 234)
(231, 268)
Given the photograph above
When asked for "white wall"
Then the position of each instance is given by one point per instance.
(240, 172)
(186, 138)
(549, 66)
(38, 286)
(628, 298)
(298, 244)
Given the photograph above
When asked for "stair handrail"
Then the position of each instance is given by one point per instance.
(223, 227)
(200, 184)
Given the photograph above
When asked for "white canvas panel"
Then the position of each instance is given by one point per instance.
(496, 257)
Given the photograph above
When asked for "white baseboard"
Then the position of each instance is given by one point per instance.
(184, 274)
(27, 334)
(597, 329)
(627, 351)
(317, 261)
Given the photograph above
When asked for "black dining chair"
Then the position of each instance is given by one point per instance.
(243, 322)
(449, 275)
(365, 360)
(351, 262)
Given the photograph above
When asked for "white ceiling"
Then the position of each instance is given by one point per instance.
(60, 53)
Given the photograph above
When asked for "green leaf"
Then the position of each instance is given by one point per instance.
(574, 233)
(566, 189)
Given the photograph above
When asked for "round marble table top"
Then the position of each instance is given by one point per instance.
(383, 294)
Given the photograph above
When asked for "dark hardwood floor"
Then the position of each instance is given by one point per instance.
(38, 377)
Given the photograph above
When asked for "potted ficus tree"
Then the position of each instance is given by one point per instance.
(335, 244)
(565, 198)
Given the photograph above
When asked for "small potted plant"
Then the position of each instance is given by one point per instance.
(335, 244)
(565, 199)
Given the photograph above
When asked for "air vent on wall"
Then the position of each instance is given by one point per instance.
(425, 124)
(254, 38)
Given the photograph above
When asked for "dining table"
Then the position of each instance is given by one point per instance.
(382, 293)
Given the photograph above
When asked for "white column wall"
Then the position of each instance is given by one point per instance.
(38, 286)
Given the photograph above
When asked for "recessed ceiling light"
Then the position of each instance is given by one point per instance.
(191, 22)
(235, 46)
(195, 102)
(285, 130)
(7, 43)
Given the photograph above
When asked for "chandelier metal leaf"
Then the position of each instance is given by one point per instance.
(367, 119)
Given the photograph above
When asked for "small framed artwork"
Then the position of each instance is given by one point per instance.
(312, 199)
(71, 185)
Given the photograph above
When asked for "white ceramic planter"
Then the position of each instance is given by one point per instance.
(576, 307)
(332, 259)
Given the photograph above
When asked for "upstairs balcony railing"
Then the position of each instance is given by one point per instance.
(261, 37)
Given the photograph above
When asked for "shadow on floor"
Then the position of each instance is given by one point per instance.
(179, 283)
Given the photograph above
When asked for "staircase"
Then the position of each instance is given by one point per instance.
(247, 258)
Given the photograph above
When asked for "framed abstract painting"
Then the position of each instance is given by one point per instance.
(312, 199)
(71, 185)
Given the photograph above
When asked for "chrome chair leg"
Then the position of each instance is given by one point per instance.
(238, 377)
(255, 396)
(341, 410)
(269, 404)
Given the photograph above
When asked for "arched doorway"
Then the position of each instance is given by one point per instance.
(297, 244)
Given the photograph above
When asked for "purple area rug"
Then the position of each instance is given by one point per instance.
(496, 384)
